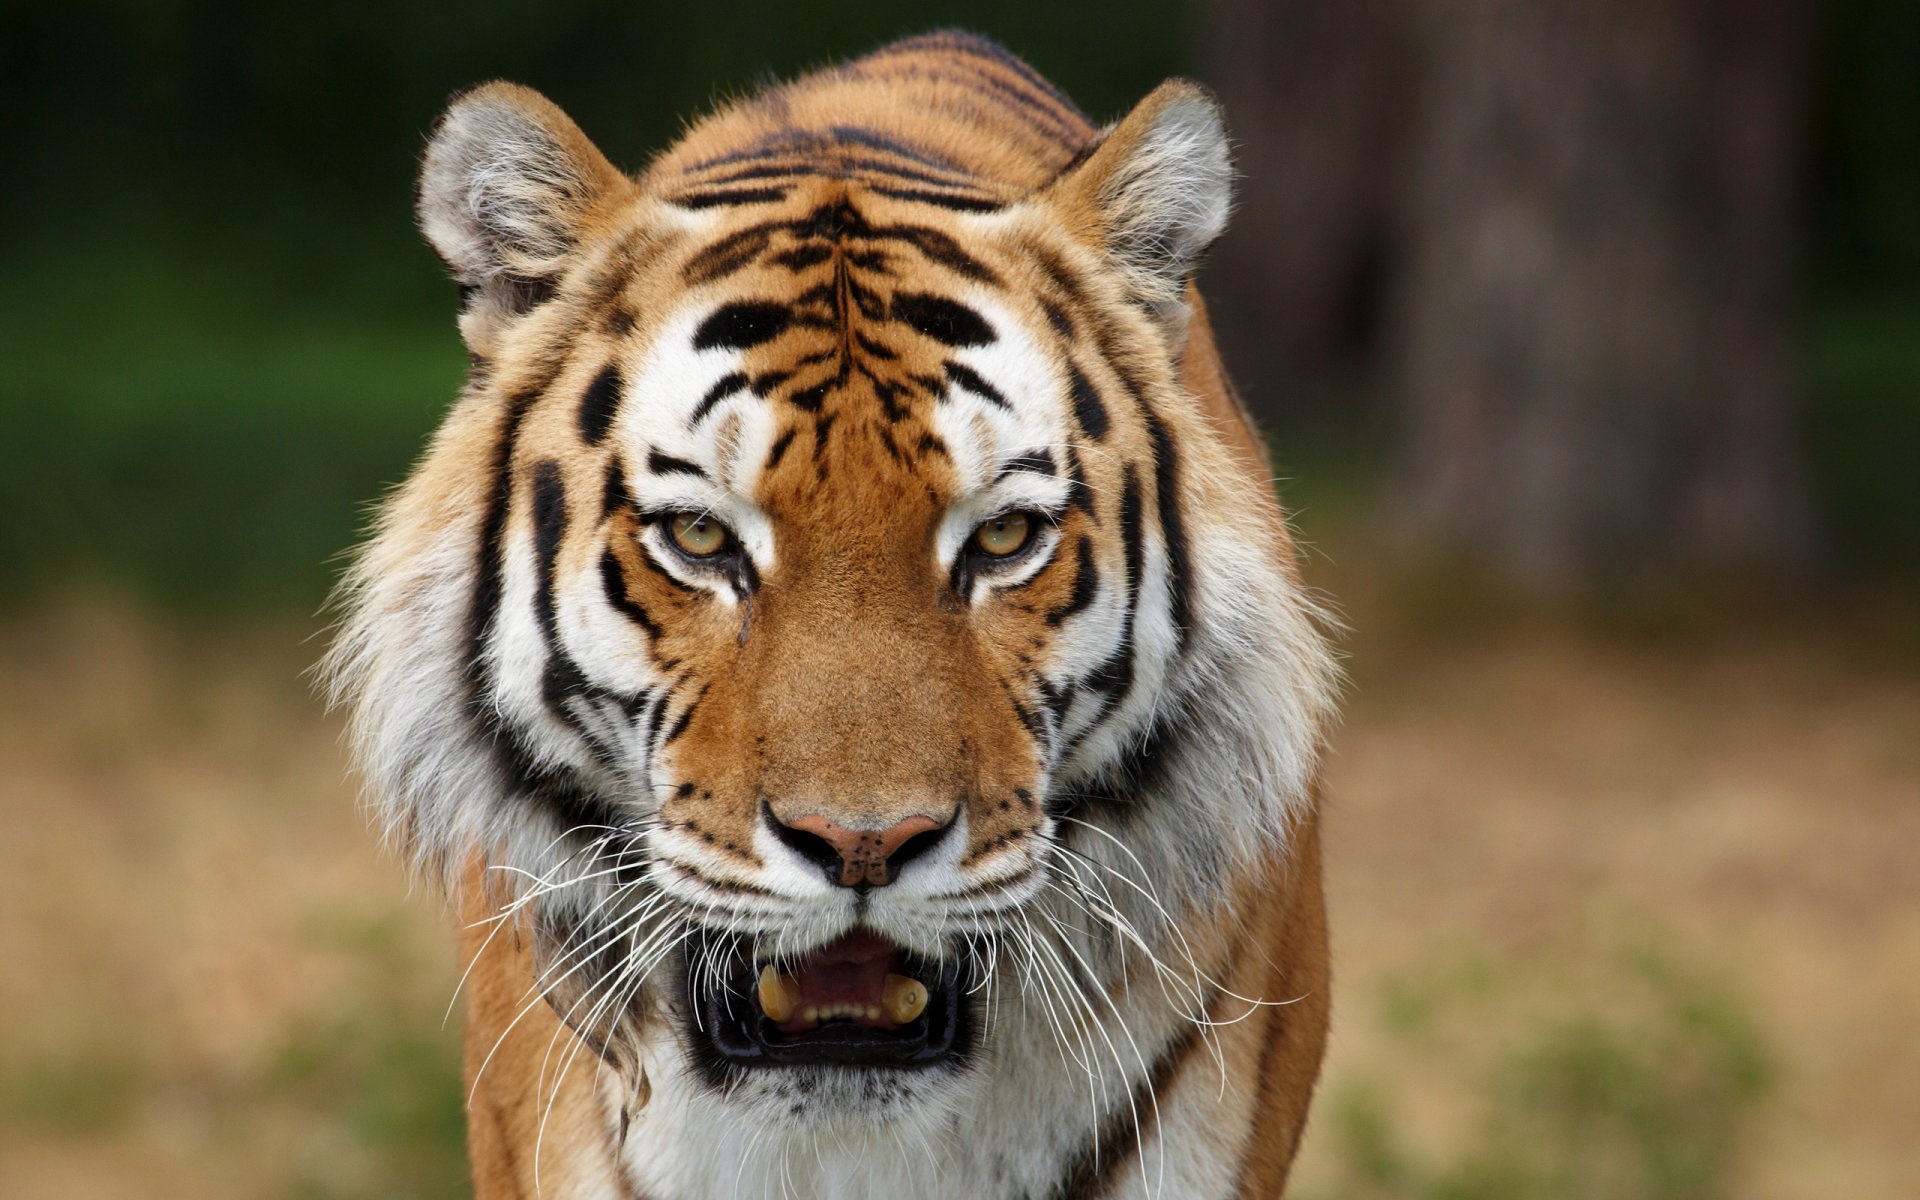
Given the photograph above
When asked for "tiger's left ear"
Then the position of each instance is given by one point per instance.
(1155, 193)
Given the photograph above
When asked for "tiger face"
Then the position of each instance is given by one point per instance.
(825, 551)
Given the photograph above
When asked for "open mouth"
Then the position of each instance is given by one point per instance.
(859, 1001)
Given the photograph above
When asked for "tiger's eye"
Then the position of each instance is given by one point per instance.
(1003, 535)
(698, 534)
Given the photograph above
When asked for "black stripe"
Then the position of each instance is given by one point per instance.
(811, 399)
(726, 386)
(599, 404)
(655, 718)
(1086, 583)
(484, 609)
(1031, 106)
(1142, 770)
(835, 222)
(1114, 677)
(768, 380)
(765, 171)
(556, 790)
(563, 685)
(549, 525)
(614, 582)
(1080, 495)
(729, 254)
(779, 450)
(969, 379)
(667, 464)
(1058, 318)
(873, 139)
(822, 429)
(730, 199)
(742, 326)
(653, 563)
(801, 257)
(1040, 462)
(1057, 700)
(940, 248)
(1035, 725)
(1166, 461)
(549, 528)
(686, 717)
(614, 496)
(992, 51)
(1088, 408)
(875, 166)
(944, 320)
(948, 200)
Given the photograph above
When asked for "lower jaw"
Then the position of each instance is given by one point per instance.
(728, 1033)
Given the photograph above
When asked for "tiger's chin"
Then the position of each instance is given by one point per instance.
(860, 1029)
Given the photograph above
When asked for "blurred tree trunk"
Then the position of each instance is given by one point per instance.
(1591, 335)
(1316, 94)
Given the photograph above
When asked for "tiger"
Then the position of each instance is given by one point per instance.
(843, 656)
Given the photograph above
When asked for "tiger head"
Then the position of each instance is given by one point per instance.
(826, 566)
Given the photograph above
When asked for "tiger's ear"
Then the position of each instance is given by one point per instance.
(1155, 193)
(505, 187)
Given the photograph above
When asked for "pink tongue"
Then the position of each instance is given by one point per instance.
(850, 971)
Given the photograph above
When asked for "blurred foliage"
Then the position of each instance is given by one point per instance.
(388, 1073)
(1639, 1092)
(356, 1094)
(222, 336)
(88, 1093)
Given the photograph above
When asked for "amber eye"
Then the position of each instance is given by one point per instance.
(1003, 535)
(697, 534)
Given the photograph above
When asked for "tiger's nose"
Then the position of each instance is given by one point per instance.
(858, 858)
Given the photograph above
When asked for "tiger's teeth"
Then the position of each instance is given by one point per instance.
(904, 998)
(778, 995)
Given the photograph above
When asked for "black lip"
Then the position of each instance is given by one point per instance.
(729, 1027)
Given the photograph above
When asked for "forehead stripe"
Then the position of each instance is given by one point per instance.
(968, 378)
(730, 199)
(943, 320)
(667, 464)
(742, 326)
(727, 385)
(956, 202)
(1040, 462)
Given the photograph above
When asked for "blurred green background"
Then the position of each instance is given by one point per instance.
(1615, 854)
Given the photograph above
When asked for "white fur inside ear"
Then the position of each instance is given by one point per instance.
(1169, 198)
(500, 191)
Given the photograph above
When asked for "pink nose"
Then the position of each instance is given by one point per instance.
(859, 858)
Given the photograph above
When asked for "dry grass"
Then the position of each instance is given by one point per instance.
(217, 988)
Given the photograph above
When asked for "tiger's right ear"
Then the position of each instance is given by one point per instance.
(506, 185)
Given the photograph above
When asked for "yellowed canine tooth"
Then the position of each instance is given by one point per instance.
(778, 994)
(904, 998)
